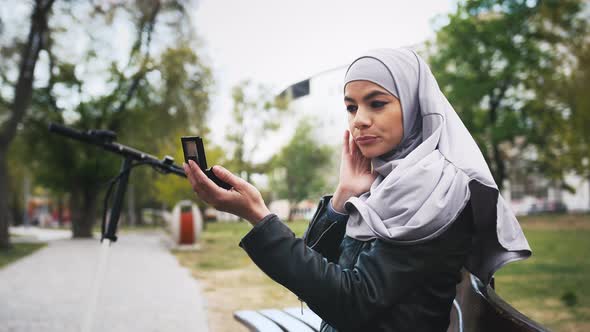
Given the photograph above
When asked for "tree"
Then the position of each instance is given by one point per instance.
(17, 188)
(489, 60)
(147, 93)
(570, 92)
(578, 99)
(302, 164)
(560, 138)
(256, 114)
(13, 111)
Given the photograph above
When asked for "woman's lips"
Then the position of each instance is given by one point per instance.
(366, 140)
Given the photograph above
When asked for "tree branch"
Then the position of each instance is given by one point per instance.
(140, 74)
(495, 100)
(51, 81)
(494, 104)
(24, 86)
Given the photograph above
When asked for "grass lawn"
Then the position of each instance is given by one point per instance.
(18, 251)
(230, 280)
(551, 287)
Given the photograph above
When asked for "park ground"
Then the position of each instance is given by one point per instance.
(551, 287)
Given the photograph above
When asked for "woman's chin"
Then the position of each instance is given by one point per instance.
(374, 152)
(370, 153)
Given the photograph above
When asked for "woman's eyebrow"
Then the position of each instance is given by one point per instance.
(374, 94)
(369, 96)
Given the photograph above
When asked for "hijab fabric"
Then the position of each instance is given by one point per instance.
(425, 182)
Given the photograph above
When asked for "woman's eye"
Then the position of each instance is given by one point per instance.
(378, 104)
(351, 108)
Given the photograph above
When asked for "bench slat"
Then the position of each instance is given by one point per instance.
(256, 322)
(309, 317)
(286, 321)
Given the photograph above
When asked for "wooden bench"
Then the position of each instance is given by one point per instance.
(291, 319)
(275, 320)
(475, 308)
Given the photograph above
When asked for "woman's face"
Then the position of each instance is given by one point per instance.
(374, 118)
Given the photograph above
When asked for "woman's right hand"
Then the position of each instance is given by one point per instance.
(356, 176)
(243, 199)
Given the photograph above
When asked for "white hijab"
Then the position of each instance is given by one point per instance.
(426, 181)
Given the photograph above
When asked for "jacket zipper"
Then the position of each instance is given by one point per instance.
(314, 220)
(322, 235)
(311, 224)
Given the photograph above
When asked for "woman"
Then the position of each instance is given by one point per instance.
(415, 203)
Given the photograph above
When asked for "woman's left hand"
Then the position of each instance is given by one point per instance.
(243, 200)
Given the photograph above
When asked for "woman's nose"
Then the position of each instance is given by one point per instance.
(361, 118)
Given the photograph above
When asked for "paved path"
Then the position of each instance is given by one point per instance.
(145, 289)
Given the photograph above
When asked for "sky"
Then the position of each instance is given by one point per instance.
(278, 42)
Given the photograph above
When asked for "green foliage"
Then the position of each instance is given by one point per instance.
(493, 60)
(158, 90)
(256, 114)
(574, 95)
(301, 165)
(16, 170)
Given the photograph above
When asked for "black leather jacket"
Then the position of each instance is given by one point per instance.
(364, 286)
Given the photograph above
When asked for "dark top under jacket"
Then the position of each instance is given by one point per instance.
(364, 286)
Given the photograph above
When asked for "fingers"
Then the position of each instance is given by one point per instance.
(349, 147)
(346, 143)
(202, 185)
(226, 176)
(189, 174)
(192, 178)
(201, 178)
(353, 148)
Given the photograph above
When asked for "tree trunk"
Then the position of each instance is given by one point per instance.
(291, 209)
(26, 197)
(4, 215)
(139, 216)
(83, 205)
(22, 99)
(16, 209)
(500, 166)
(60, 209)
(500, 173)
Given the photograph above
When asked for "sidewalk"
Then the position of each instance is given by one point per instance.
(38, 234)
(145, 289)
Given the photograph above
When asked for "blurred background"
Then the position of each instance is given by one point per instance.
(260, 81)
